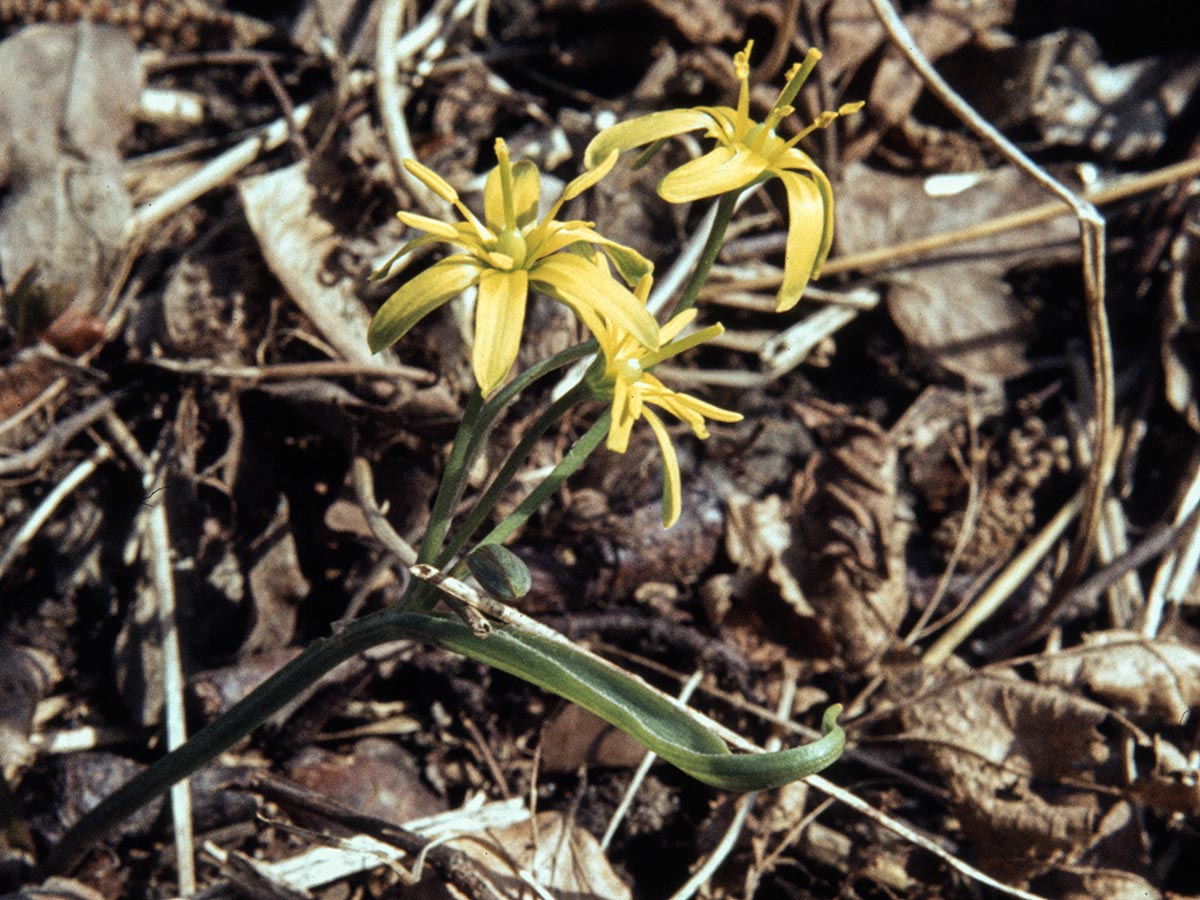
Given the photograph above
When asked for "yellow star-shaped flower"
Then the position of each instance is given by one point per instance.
(506, 255)
(627, 380)
(747, 152)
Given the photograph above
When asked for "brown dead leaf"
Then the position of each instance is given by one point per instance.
(958, 307)
(756, 538)
(26, 676)
(296, 241)
(855, 36)
(576, 737)
(1002, 746)
(849, 552)
(702, 22)
(277, 586)
(1157, 679)
(377, 778)
(561, 861)
(65, 108)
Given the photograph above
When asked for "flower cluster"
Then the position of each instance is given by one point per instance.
(512, 251)
(747, 153)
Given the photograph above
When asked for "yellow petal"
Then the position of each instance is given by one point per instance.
(672, 484)
(622, 418)
(805, 237)
(716, 172)
(580, 284)
(444, 230)
(418, 297)
(642, 130)
(590, 177)
(631, 264)
(499, 319)
(674, 348)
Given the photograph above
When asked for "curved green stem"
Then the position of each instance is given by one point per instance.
(512, 466)
(208, 743)
(554, 664)
(716, 236)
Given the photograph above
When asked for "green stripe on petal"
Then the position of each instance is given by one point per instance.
(418, 297)
(578, 281)
(672, 484)
(716, 172)
(499, 319)
(642, 130)
(805, 237)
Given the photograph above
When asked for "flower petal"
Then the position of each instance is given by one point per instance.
(499, 319)
(418, 297)
(672, 484)
(579, 283)
(642, 130)
(805, 237)
(444, 230)
(716, 172)
(631, 264)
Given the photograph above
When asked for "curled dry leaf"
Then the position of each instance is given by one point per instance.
(956, 308)
(1003, 746)
(543, 857)
(26, 676)
(66, 106)
(855, 36)
(1157, 679)
(849, 551)
(296, 241)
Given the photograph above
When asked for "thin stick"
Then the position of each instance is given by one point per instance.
(643, 770)
(392, 96)
(49, 504)
(1166, 575)
(825, 786)
(1091, 233)
(56, 438)
(282, 371)
(1006, 582)
(158, 548)
(745, 803)
(893, 255)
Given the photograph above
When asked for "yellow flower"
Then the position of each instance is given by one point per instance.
(628, 381)
(747, 152)
(506, 255)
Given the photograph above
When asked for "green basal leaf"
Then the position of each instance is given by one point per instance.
(628, 703)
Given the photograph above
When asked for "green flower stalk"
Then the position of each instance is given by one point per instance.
(748, 152)
(507, 254)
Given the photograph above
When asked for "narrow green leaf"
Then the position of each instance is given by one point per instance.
(628, 703)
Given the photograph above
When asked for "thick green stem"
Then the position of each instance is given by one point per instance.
(716, 237)
(203, 747)
(454, 479)
(478, 419)
(512, 466)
